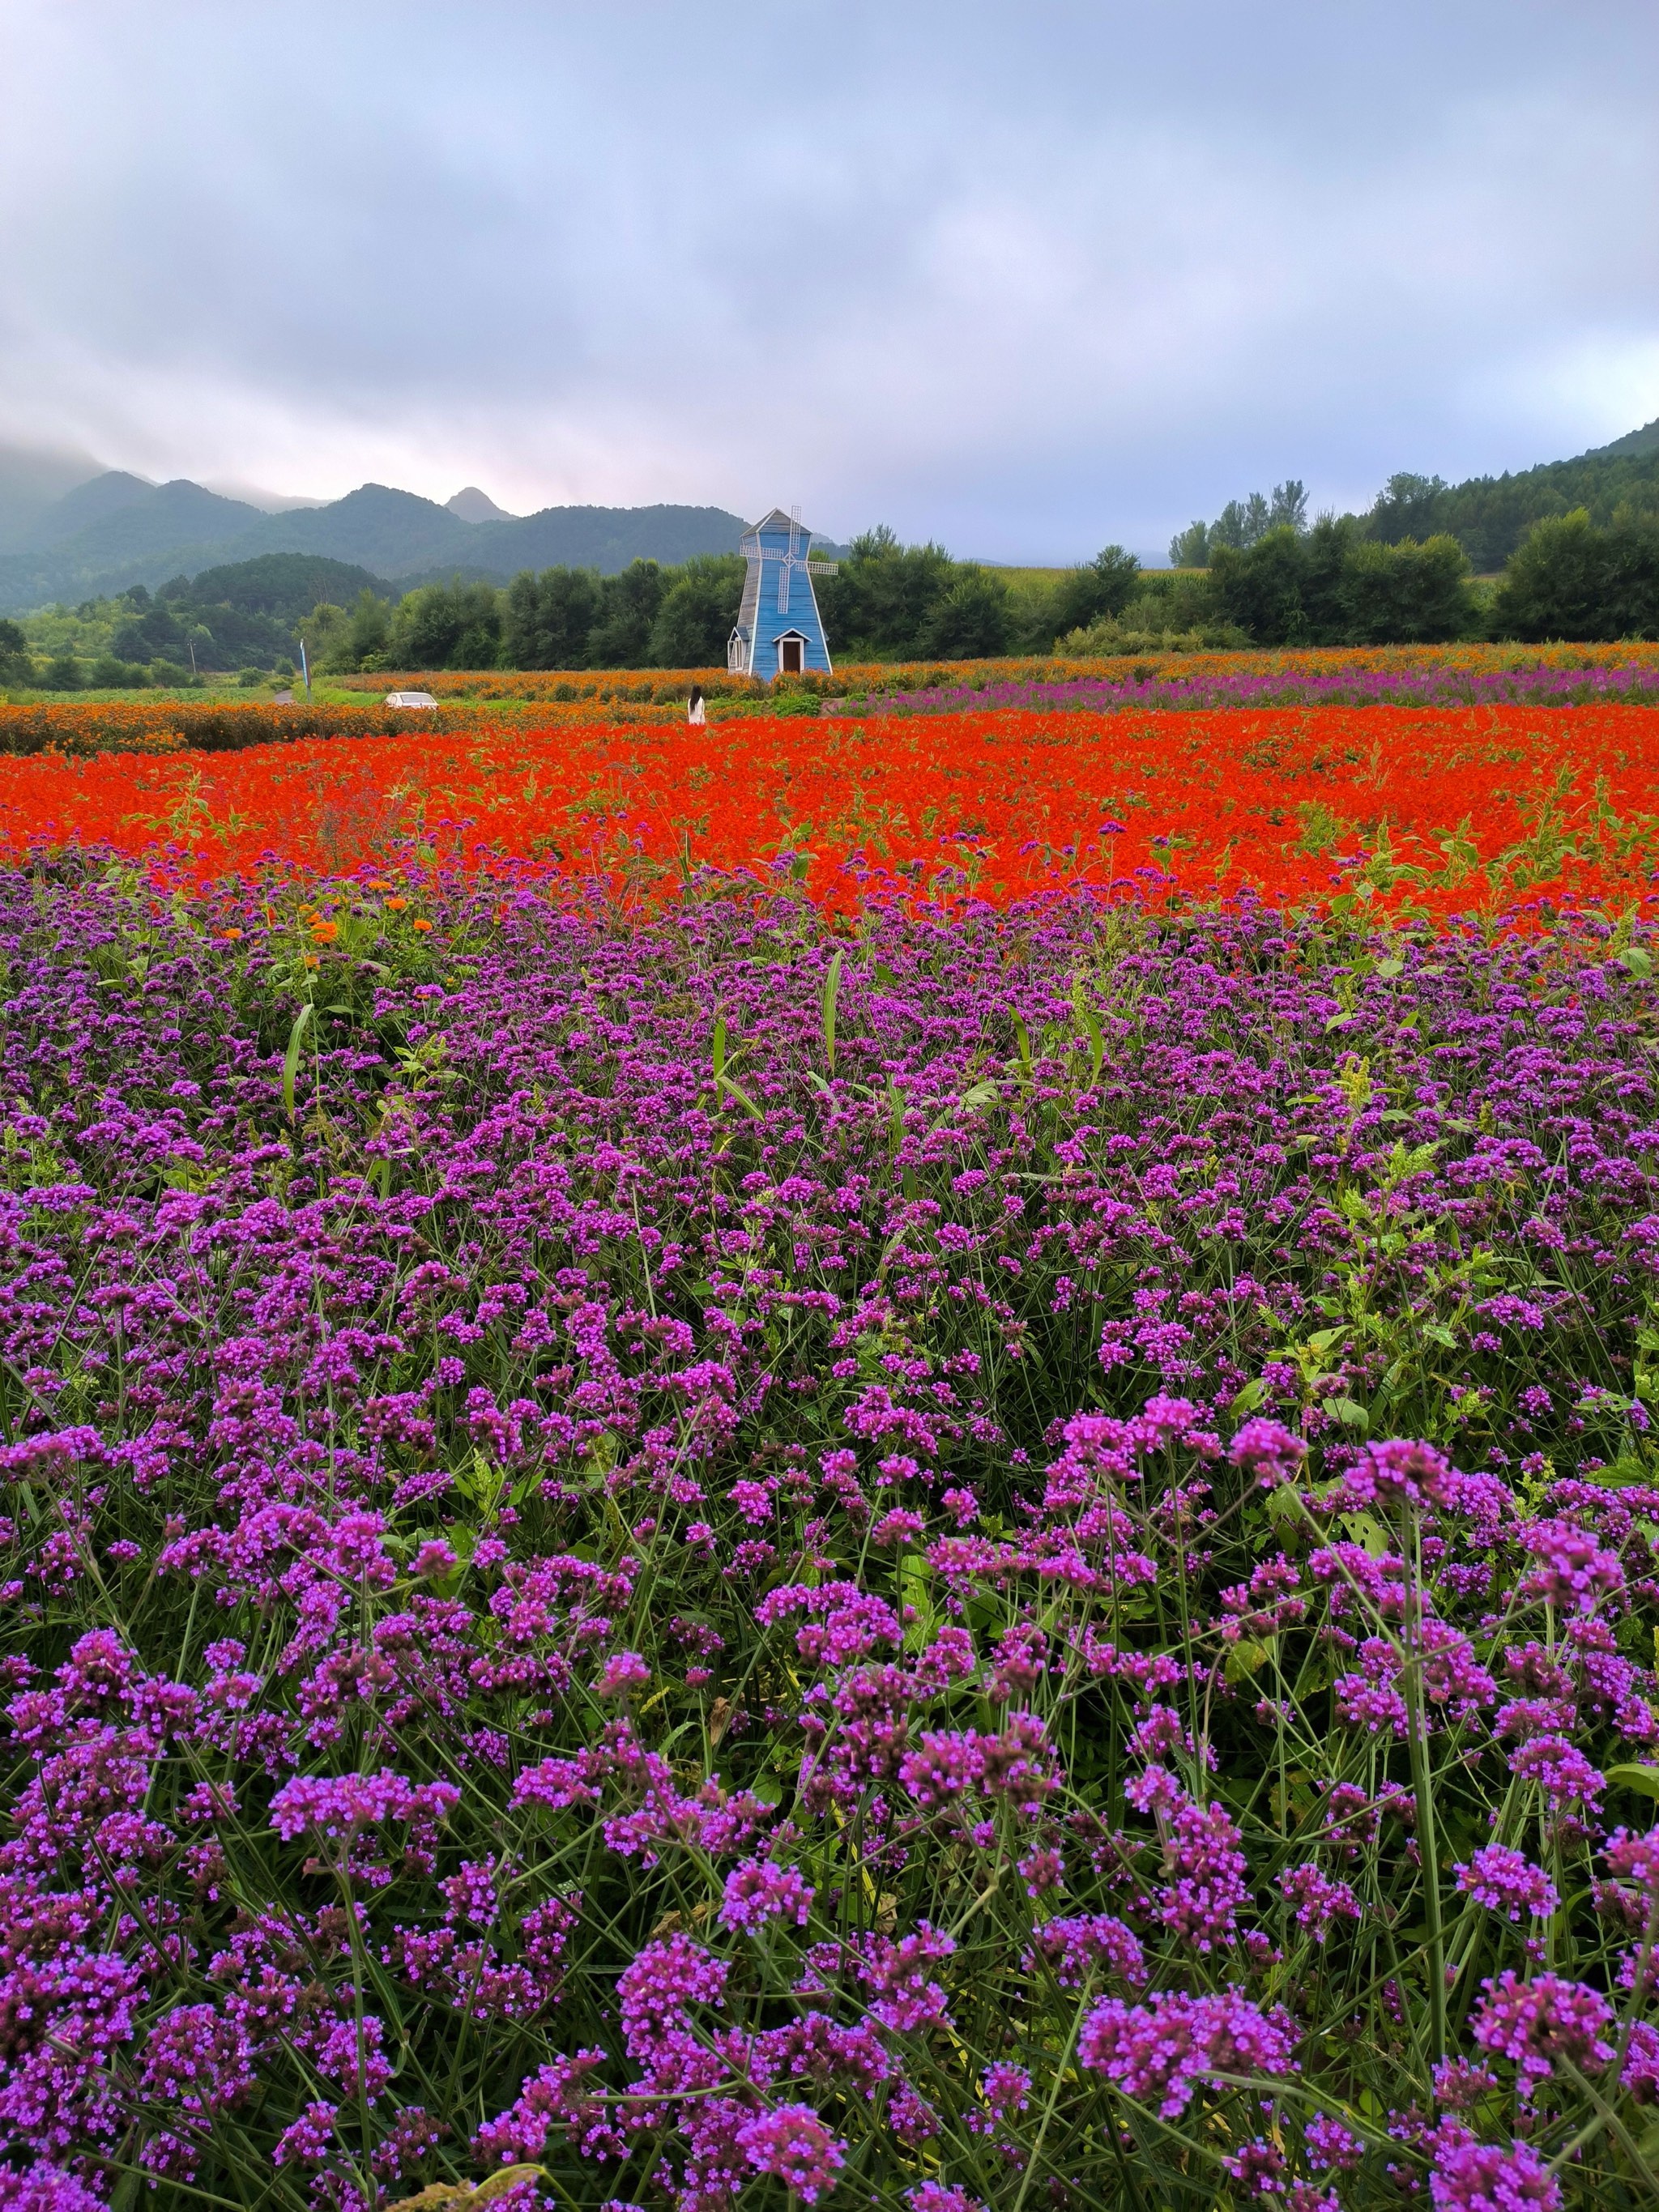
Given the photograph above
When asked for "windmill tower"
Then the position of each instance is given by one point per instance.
(779, 632)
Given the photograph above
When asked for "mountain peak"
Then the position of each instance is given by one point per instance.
(473, 504)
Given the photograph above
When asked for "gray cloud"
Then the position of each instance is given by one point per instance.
(1023, 279)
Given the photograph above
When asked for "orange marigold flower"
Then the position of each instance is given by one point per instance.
(325, 931)
(422, 926)
(397, 905)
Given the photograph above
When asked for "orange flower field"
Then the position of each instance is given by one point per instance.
(656, 687)
(1435, 810)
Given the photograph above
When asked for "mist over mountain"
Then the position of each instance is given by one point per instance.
(33, 480)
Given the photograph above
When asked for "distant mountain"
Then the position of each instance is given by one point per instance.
(377, 527)
(88, 507)
(604, 538)
(397, 534)
(475, 506)
(116, 530)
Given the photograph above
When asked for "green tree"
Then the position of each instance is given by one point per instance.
(1569, 579)
(1100, 587)
(876, 605)
(1405, 507)
(549, 618)
(13, 650)
(1260, 587)
(369, 631)
(1182, 603)
(1242, 524)
(1190, 548)
(323, 631)
(970, 620)
(1406, 593)
(628, 605)
(448, 626)
(1327, 549)
(698, 613)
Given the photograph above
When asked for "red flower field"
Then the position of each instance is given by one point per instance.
(1442, 809)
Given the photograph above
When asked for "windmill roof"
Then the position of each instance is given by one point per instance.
(779, 520)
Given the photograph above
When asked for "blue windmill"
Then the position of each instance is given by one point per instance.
(780, 631)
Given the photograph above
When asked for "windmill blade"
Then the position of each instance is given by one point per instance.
(790, 562)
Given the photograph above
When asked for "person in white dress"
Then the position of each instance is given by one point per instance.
(695, 716)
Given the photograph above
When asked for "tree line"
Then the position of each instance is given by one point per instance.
(888, 601)
(1337, 582)
(1489, 516)
(1269, 578)
(1288, 582)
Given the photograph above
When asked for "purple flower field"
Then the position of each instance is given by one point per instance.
(731, 1561)
(1544, 685)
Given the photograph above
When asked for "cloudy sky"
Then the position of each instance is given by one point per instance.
(1023, 278)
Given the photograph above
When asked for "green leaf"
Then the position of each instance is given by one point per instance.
(831, 992)
(1245, 1658)
(1351, 1414)
(736, 1091)
(916, 1579)
(1086, 1014)
(1645, 1780)
(1635, 960)
(1618, 1476)
(1249, 1398)
(720, 1047)
(1371, 1535)
(1391, 966)
(291, 1057)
